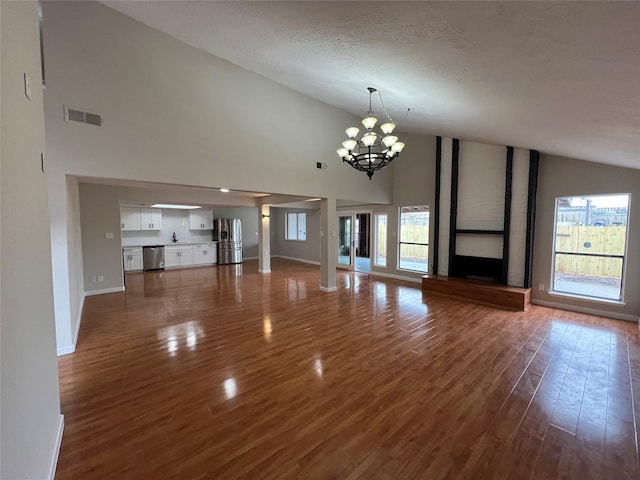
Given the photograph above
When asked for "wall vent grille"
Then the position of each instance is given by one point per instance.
(75, 115)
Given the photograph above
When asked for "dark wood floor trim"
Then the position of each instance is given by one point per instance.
(534, 162)
(453, 215)
(436, 208)
(487, 293)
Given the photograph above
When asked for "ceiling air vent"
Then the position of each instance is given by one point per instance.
(75, 115)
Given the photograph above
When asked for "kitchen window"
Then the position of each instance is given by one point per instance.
(590, 246)
(296, 226)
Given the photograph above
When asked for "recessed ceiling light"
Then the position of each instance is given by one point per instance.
(181, 207)
(224, 190)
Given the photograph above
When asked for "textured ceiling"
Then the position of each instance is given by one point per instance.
(562, 78)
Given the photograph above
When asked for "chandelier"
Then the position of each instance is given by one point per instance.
(372, 151)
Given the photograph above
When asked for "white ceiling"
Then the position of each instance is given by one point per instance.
(562, 78)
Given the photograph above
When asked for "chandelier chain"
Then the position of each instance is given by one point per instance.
(387, 113)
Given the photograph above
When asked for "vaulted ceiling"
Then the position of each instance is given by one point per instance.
(559, 77)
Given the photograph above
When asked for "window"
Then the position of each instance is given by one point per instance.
(380, 239)
(296, 226)
(590, 246)
(413, 241)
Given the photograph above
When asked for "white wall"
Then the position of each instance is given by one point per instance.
(100, 214)
(307, 251)
(413, 184)
(563, 177)
(30, 420)
(174, 114)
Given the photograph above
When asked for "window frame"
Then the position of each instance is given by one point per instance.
(286, 227)
(400, 242)
(376, 240)
(623, 257)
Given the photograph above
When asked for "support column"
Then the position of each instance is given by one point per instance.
(264, 240)
(328, 245)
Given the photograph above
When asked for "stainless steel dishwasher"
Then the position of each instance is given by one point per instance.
(153, 258)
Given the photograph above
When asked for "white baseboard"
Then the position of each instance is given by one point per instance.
(301, 260)
(264, 271)
(53, 462)
(396, 277)
(79, 319)
(249, 258)
(66, 350)
(328, 289)
(590, 311)
(103, 291)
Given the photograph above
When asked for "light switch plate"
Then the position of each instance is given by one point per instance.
(27, 86)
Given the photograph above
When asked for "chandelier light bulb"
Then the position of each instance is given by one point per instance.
(387, 128)
(342, 152)
(349, 144)
(369, 122)
(369, 139)
(397, 147)
(389, 140)
(352, 132)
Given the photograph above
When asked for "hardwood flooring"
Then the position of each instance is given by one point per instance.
(220, 372)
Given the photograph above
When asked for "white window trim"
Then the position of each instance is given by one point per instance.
(286, 227)
(588, 298)
(375, 240)
(398, 242)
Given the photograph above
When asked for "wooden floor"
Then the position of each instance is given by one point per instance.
(220, 372)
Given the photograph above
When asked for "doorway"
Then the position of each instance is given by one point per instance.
(354, 241)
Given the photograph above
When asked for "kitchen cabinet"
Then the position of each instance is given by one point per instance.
(201, 219)
(129, 218)
(204, 254)
(132, 258)
(150, 219)
(178, 256)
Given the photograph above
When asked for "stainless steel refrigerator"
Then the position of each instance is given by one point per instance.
(228, 233)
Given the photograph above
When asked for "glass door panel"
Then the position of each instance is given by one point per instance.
(345, 241)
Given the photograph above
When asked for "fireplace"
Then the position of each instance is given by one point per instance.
(479, 268)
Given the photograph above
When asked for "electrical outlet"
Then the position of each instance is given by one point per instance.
(100, 278)
(92, 279)
(541, 287)
(108, 235)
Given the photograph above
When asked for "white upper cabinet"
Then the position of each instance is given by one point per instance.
(201, 219)
(150, 219)
(129, 218)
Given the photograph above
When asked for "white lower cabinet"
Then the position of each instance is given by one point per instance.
(178, 256)
(204, 254)
(132, 258)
